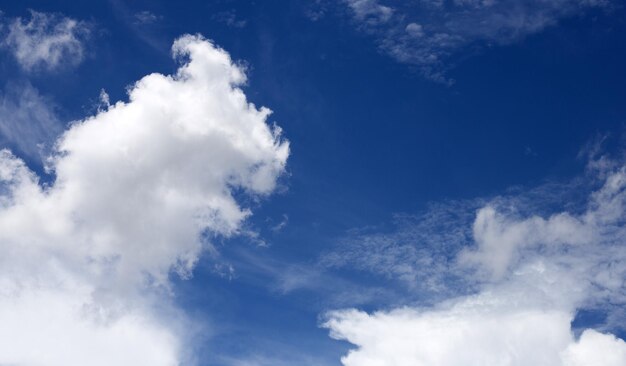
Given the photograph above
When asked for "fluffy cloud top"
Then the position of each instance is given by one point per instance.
(139, 190)
(532, 275)
(46, 41)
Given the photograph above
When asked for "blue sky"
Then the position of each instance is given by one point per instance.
(438, 182)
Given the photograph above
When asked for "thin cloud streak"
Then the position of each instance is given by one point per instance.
(427, 34)
(28, 120)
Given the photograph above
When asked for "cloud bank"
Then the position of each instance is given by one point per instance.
(531, 273)
(46, 41)
(139, 190)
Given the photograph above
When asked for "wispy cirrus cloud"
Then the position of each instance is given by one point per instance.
(230, 19)
(370, 12)
(46, 41)
(427, 34)
(146, 17)
(28, 120)
(419, 251)
(140, 190)
(416, 251)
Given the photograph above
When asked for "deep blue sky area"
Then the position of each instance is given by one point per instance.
(371, 137)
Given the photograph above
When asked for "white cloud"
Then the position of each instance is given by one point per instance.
(533, 274)
(427, 33)
(140, 189)
(28, 121)
(414, 30)
(595, 349)
(500, 239)
(473, 332)
(370, 12)
(590, 244)
(46, 41)
(146, 17)
(56, 327)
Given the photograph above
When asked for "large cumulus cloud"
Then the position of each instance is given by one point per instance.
(139, 190)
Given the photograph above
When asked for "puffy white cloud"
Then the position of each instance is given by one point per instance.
(590, 245)
(47, 41)
(499, 239)
(483, 330)
(595, 349)
(532, 275)
(139, 190)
